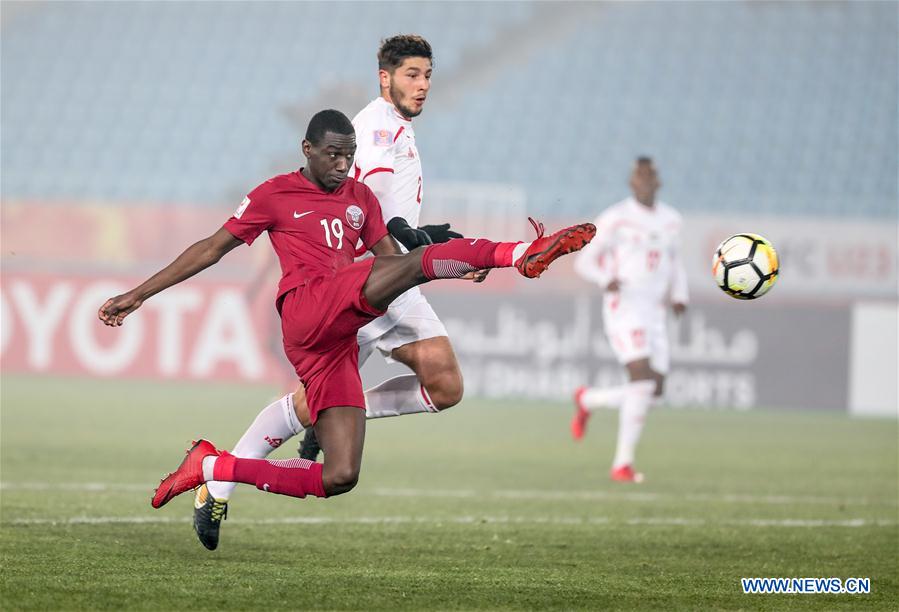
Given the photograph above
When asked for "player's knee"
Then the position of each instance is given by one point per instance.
(341, 479)
(447, 392)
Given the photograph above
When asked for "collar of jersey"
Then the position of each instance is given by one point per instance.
(393, 108)
(642, 208)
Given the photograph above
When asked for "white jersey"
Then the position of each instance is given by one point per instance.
(638, 246)
(387, 160)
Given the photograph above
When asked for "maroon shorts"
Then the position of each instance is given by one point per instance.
(319, 321)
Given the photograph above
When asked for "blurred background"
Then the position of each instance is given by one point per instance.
(130, 130)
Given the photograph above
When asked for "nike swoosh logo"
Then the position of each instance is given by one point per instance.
(265, 487)
(298, 215)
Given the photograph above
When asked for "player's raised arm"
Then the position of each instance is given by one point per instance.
(195, 258)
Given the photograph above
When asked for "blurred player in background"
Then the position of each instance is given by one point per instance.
(635, 259)
(387, 161)
(315, 217)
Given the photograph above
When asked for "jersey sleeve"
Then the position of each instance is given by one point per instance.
(375, 163)
(374, 228)
(596, 262)
(252, 217)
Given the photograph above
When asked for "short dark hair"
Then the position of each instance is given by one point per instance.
(644, 160)
(329, 120)
(396, 49)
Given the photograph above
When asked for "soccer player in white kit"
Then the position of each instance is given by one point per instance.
(387, 161)
(635, 259)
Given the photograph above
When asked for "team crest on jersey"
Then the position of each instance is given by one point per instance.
(354, 216)
(383, 138)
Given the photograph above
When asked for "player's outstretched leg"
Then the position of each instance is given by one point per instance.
(293, 477)
(342, 433)
(457, 258)
(391, 276)
(589, 399)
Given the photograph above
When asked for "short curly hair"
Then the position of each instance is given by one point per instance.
(328, 120)
(396, 49)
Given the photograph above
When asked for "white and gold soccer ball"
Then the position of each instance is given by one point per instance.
(745, 266)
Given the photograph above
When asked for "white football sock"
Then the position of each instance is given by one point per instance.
(208, 468)
(276, 424)
(637, 398)
(518, 250)
(603, 397)
(396, 396)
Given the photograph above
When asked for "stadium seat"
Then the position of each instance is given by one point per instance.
(751, 100)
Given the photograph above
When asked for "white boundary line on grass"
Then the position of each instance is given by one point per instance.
(634, 496)
(508, 494)
(84, 487)
(464, 520)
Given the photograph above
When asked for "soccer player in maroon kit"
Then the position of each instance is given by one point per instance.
(314, 218)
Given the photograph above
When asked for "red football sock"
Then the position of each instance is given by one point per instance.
(456, 258)
(293, 477)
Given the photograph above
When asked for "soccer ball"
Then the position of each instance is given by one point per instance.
(745, 266)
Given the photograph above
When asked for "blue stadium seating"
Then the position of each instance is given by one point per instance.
(775, 108)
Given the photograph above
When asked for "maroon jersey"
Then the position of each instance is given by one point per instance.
(314, 232)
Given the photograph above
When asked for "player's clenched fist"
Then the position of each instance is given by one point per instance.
(114, 311)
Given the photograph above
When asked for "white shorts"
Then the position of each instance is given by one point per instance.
(408, 319)
(637, 329)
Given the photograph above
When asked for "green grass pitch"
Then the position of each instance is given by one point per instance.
(489, 506)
